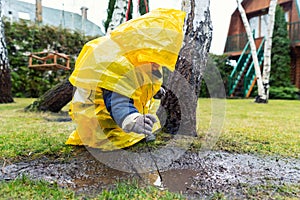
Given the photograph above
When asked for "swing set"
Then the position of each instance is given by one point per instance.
(53, 60)
(49, 60)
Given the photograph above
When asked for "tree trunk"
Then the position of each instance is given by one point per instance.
(5, 81)
(253, 50)
(119, 14)
(55, 99)
(178, 106)
(136, 9)
(267, 52)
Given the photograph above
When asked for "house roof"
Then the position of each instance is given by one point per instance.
(16, 10)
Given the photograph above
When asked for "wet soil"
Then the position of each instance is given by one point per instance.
(196, 175)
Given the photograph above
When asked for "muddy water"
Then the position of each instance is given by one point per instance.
(229, 173)
(193, 174)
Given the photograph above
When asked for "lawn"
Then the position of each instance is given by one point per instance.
(243, 127)
(26, 134)
(271, 129)
(268, 129)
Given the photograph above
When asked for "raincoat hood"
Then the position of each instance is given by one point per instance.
(108, 61)
(154, 37)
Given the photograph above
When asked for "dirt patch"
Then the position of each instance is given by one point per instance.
(193, 174)
(229, 173)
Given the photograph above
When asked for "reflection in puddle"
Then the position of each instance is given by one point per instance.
(178, 179)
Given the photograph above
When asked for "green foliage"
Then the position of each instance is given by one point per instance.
(23, 38)
(217, 66)
(280, 66)
(290, 93)
(284, 93)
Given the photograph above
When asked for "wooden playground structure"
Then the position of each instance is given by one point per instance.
(49, 60)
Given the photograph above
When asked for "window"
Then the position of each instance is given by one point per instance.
(264, 25)
(287, 19)
(287, 16)
(259, 24)
(254, 25)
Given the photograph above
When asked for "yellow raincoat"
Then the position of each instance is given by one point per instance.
(120, 62)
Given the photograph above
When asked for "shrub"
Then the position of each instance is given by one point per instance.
(284, 93)
(22, 38)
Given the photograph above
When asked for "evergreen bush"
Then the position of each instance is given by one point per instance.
(223, 67)
(284, 93)
(280, 59)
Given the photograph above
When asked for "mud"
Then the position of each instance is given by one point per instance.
(196, 175)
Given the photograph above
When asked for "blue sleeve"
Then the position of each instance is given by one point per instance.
(118, 106)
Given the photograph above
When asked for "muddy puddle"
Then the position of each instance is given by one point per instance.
(196, 175)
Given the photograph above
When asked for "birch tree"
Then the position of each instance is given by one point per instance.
(178, 106)
(125, 10)
(267, 52)
(5, 79)
(253, 49)
(136, 8)
(119, 14)
(262, 81)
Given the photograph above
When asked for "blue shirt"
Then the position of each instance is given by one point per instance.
(118, 106)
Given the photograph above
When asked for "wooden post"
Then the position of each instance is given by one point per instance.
(38, 11)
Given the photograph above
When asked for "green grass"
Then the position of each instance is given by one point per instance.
(24, 188)
(270, 191)
(270, 129)
(26, 134)
(267, 191)
(124, 191)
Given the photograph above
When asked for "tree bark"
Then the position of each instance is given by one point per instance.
(119, 14)
(53, 100)
(5, 79)
(136, 9)
(267, 52)
(253, 49)
(178, 107)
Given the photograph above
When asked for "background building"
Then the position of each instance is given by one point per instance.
(16, 10)
(236, 48)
